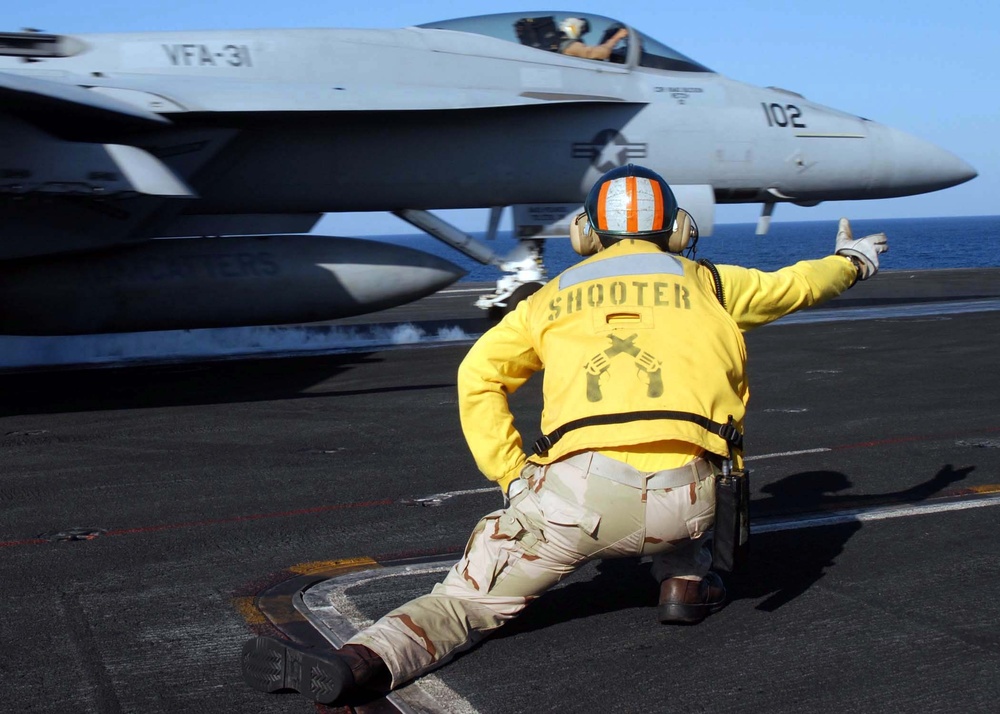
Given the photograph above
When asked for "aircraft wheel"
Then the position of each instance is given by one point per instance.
(497, 313)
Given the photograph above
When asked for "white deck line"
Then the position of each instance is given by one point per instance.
(328, 605)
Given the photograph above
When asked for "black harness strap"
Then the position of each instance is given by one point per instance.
(728, 432)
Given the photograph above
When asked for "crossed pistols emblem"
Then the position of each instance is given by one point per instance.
(649, 367)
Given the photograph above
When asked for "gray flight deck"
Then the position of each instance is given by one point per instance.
(154, 518)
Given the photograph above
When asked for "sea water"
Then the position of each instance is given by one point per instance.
(914, 244)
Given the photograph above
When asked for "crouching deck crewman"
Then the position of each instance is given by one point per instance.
(644, 392)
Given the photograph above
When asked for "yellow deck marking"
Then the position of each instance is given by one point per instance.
(323, 566)
(248, 610)
(278, 609)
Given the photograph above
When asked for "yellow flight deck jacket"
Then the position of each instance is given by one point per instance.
(629, 335)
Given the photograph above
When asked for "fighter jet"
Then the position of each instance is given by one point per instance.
(168, 180)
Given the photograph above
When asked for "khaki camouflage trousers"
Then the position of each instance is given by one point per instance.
(567, 516)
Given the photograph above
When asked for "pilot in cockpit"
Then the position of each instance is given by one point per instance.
(574, 28)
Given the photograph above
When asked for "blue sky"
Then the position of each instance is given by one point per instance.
(928, 68)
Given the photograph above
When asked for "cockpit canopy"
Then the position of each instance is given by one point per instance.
(541, 30)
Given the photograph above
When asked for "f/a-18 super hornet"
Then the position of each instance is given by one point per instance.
(167, 180)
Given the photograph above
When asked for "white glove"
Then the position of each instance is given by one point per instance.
(863, 252)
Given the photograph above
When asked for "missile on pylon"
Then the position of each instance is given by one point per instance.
(190, 283)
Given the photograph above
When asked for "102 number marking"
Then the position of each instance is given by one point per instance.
(778, 115)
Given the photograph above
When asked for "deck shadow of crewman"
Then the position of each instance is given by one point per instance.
(780, 568)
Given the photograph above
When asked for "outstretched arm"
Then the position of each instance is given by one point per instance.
(755, 297)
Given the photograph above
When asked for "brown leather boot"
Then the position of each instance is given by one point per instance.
(690, 601)
(327, 676)
(369, 670)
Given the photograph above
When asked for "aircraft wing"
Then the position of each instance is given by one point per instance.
(63, 143)
(38, 117)
(106, 149)
(69, 110)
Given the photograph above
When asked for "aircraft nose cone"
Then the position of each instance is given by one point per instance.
(907, 165)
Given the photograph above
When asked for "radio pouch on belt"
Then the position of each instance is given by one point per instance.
(731, 543)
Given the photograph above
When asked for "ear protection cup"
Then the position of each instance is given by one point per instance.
(684, 234)
(582, 236)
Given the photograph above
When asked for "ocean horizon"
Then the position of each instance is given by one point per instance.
(914, 244)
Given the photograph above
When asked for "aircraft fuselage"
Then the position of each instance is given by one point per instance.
(110, 141)
(347, 120)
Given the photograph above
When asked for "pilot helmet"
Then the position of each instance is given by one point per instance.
(574, 27)
(634, 202)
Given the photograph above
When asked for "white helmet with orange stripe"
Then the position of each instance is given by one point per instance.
(635, 202)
